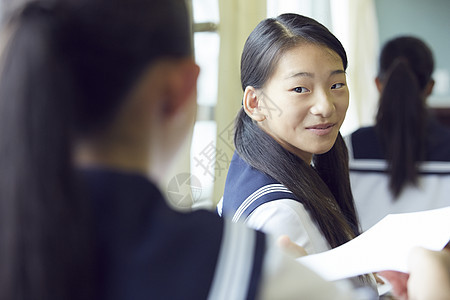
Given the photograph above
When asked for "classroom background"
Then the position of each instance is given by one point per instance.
(219, 30)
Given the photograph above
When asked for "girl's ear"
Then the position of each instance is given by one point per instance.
(252, 104)
(378, 84)
(429, 88)
(182, 83)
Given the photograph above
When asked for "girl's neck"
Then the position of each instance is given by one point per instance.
(113, 153)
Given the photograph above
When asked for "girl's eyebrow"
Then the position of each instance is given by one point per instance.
(337, 72)
(311, 75)
(300, 74)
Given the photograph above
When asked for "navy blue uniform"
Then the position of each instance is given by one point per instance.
(148, 251)
(247, 188)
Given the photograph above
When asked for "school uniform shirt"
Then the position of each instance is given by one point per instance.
(264, 204)
(254, 198)
(148, 251)
(370, 180)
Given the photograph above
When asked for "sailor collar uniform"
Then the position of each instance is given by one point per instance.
(243, 199)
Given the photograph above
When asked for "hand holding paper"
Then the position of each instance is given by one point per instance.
(385, 246)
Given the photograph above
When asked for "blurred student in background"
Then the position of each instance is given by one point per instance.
(402, 164)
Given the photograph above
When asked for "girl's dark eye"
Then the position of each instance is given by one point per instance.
(300, 90)
(337, 86)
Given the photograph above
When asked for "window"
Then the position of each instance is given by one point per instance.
(205, 15)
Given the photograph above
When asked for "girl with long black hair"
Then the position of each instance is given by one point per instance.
(405, 157)
(289, 174)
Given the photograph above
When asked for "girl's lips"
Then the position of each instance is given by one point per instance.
(321, 129)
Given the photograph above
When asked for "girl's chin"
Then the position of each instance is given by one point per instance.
(323, 150)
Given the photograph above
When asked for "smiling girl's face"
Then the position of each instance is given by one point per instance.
(303, 104)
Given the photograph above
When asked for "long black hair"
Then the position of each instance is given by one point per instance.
(324, 189)
(406, 65)
(66, 66)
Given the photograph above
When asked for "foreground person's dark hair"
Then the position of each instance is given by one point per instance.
(66, 67)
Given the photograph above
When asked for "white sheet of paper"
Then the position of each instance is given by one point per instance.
(385, 246)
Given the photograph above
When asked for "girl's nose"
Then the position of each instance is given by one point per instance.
(323, 105)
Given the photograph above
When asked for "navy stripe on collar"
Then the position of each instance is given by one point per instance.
(247, 188)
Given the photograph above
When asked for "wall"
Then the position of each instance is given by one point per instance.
(428, 20)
